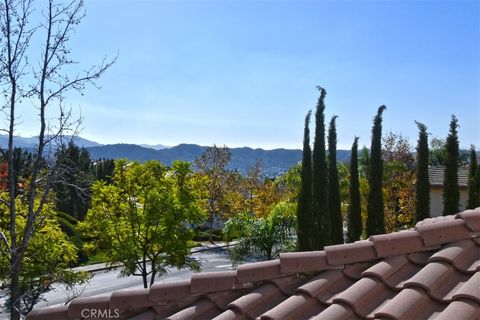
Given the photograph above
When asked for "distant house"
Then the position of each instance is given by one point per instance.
(436, 175)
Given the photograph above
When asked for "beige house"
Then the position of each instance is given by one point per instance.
(436, 175)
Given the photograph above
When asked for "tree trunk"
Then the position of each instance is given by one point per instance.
(144, 273)
(15, 291)
(210, 238)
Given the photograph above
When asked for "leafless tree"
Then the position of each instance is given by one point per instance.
(44, 83)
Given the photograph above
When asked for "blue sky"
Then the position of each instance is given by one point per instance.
(243, 73)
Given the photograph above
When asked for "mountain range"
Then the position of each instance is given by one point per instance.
(274, 162)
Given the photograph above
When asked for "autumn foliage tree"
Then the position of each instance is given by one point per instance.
(219, 181)
(399, 183)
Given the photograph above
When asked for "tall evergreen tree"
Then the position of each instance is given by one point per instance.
(355, 209)
(478, 185)
(422, 186)
(320, 178)
(73, 190)
(451, 194)
(305, 221)
(376, 218)
(335, 209)
(473, 196)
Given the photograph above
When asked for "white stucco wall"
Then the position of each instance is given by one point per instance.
(436, 200)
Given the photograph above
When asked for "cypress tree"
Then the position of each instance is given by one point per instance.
(478, 185)
(422, 185)
(355, 209)
(376, 218)
(335, 209)
(321, 236)
(304, 207)
(473, 196)
(451, 194)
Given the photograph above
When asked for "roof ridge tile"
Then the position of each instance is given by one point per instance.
(130, 299)
(359, 251)
(442, 232)
(204, 282)
(170, 290)
(306, 261)
(398, 243)
(252, 272)
(471, 218)
(49, 313)
(78, 305)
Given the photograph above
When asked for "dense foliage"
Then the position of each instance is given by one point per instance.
(267, 236)
(48, 256)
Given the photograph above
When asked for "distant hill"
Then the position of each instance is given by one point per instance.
(31, 142)
(154, 146)
(275, 162)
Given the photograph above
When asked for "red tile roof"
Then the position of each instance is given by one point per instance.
(429, 272)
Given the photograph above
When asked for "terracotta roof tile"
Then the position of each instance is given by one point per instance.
(338, 312)
(290, 306)
(147, 315)
(460, 309)
(429, 272)
(470, 290)
(196, 310)
(410, 303)
(252, 299)
(365, 295)
(231, 315)
(393, 271)
(464, 255)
